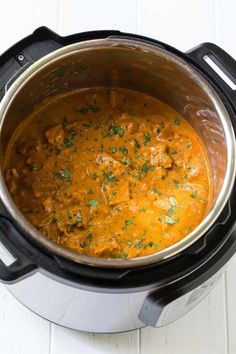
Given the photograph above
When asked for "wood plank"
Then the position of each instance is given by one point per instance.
(201, 331)
(73, 342)
(231, 305)
(21, 331)
(182, 24)
(75, 16)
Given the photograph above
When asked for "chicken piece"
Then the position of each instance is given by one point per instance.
(104, 248)
(107, 162)
(48, 205)
(55, 135)
(118, 193)
(74, 216)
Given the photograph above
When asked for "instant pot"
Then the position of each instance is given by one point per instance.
(113, 295)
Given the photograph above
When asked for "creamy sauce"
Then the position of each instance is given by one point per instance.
(109, 173)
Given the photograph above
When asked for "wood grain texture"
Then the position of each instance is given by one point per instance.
(72, 342)
(21, 331)
(210, 327)
(201, 331)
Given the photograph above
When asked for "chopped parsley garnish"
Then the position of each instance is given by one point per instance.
(144, 168)
(137, 176)
(89, 236)
(172, 210)
(124, 150)
(54, 220)
(65, 121)
(142, 209)
(113, 150)
(93, 203)
(147, 138)
(124, 254)
(177, 121)
(128, 243)
(194, 194)
(78, 219)
(128, 222)
(176, 182)
(158, 130)
(36, 167)
(57, 152)
(92, 108)
(127, 162)
(110, 177)
(64, 175)
(155, 190)
(117, 130)
(170, 220)
(202, 201)
(94, 175)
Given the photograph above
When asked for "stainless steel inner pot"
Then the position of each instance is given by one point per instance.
(131, 64)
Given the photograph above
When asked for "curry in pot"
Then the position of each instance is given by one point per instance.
(109, 173)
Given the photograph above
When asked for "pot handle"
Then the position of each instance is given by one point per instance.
(222, 60)
(167, 304)
(18, 265)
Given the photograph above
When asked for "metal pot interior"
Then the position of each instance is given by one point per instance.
(134, 65)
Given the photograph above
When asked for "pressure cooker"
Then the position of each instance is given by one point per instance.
(113, 295)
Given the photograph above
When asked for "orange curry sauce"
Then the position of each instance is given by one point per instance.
(109, 173)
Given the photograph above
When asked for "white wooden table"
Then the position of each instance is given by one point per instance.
(208, 329)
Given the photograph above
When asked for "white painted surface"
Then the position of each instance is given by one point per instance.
(209, 328)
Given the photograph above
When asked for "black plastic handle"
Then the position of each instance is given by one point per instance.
(22, 265)
(223, 60)
(155, 303)
(30, 49)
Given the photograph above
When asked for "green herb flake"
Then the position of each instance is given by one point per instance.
(144, 168)
(127, 162)
(156, 191)
(138, 244)
(113, 150)
(147, 138)
(128, 222)
(176, 182)
(94, 175)
(89, 236)
(177, 121)
(110, 177)
(57, 152)
(194, 194)
(65, 121)
(83, 244)
(158, 130)
(36, 167)
(117, 130)
(142, 209)
(124, 254)
(172, 210)
(129, 243)
(124, 150)
(137, 176)
(202, 201)
(68, 143)
(170, 220)
(93, 203)
(54, 220)
(78, 219)
(184, 175)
